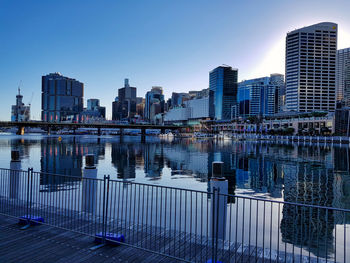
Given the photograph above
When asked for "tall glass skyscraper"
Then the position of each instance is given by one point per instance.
(126, 105)
(311, 68)
(343, 57)
(62, 98)
(222, 92)
(258, 96)
(154, 103)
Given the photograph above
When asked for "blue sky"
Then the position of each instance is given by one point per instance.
(173, 44)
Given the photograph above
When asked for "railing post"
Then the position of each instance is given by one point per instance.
(104, 210)
(213, 226)
(106, 207)
(31, 192)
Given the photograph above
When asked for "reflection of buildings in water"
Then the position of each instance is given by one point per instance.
(63, 159)
(23, 146)
(124, 159)
(311, 228)
(184, 160)
(154, 160)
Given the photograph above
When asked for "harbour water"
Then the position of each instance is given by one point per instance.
(301, 173)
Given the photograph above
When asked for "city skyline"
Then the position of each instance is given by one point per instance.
(164, 61)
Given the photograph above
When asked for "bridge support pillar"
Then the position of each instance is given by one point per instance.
(162, 131)
(48, 130)
(20, 130)
(143, 135)
(99, 131)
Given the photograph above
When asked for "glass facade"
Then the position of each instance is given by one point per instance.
(62, 98)
(258, 97)
(126, 105)
(222, 92)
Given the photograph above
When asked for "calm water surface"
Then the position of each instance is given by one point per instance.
(302, 173)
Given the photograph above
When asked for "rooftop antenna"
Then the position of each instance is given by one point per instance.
(19, 87)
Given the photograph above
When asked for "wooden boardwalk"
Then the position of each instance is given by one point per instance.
(69, 237)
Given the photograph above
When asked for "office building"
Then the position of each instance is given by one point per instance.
(343, 55)
(62, 98)
(94, 112)
(20, 112)
(222, 92)
(177, 99)
(311, 68)
(258, 96)
(154, 103)
(140, 107)
(277, 79)
(125, 107)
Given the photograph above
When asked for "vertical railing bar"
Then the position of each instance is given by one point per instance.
(175, 220)
(278, 231)
(165, 222)
(243, 213)
(271, 204)
(213, 226)
(103, 210)
(107, 204)
(151, 229)
(196, 227)
(326, 235)
(256, 230)
(263, 236)
(134, 216)
(185, 232)
(236, 231)
(344, 237)
(180, 228)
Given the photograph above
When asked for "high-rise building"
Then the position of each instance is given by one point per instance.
(140, 106)
(126, 105)
(154, 103)
(62, 98)
(177, 99)
(94, 112)
(311, 68)
(258, 97)
(277, 80)
(347, 83)
(222, 92)
(20, 112)
(343, 56)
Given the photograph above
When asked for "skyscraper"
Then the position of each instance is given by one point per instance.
(343, 56)
(154, 103)
(258, 96)
(310, 68)
(62, 98)
(222, 92)
(126, 105)
(347, 83)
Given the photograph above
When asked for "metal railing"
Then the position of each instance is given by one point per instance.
(189, 225)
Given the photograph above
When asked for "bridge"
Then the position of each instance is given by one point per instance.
(73, 126)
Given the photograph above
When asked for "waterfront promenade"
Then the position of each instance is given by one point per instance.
(182, 225)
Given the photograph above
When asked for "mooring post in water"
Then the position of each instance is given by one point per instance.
(219, 190)
(89, 185)
(15, 167)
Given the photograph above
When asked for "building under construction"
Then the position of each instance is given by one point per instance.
(20, 112)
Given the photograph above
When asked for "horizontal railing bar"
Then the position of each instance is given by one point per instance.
(190, 190)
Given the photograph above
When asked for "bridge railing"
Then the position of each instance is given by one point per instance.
(188, 225)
